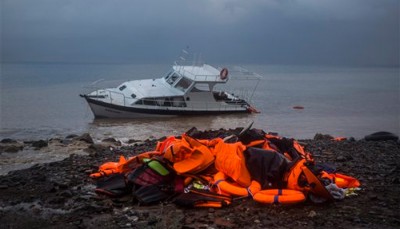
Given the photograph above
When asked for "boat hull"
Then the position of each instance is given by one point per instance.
(106, 110)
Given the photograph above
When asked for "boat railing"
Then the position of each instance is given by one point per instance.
(208, 78)
(199, 77)
(115, 96)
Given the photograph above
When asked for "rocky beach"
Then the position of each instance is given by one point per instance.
(60, 194)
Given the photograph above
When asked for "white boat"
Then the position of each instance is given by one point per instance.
(184, 90)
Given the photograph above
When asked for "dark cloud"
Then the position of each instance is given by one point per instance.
(355, 32)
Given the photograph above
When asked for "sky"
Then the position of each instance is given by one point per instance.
(300, 32)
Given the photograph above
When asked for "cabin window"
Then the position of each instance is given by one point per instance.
(133, 96)
(201, 87)
(178, 102)
(147, 101)
(163, 101)
(183, 84)
(122, 87)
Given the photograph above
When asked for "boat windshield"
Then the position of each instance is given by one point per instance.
(171, 77)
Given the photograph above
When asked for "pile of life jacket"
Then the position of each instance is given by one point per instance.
(214, 172)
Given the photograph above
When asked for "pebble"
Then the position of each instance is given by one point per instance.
(312, 214)
(3, 186)
(135, 218)
(340, 159)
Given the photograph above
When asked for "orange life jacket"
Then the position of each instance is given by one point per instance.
(123, 165)
(341, 180)
(188, 155)
(301, 178)
(231, 161)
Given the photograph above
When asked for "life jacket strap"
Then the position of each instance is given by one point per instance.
(217, 185)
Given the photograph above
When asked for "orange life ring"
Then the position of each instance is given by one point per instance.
(275, 196)
(233, 188)
(223, 74)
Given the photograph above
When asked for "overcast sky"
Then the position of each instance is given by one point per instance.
(315, 32)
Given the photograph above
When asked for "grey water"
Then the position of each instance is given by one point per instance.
(41, 101)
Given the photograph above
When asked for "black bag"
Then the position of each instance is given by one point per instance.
(145, 175)
(202, 198)
(151, 194)
(266, 166)
(251, 135)
(152, 182)
(113, 186)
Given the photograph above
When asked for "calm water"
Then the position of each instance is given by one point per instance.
(42, 100)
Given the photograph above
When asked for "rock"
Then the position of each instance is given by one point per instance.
(66, 141)
(93, 148)
(3, 186)
(71, 136)
(86, 138)
(322, 137)
(11, 148)
(109, 140)
(56, 200)
(66, 194)
(192, 132)
(61, 185)
(372, 196)
(113, 141)
(221, 222)
(135, 218)
(39, 144)
(312, 214)
(89, 171)
(130, 141)
(395, 180)
(8, 141)
(341, 159)
(381, 136)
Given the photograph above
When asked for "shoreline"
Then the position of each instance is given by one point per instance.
(61, 193)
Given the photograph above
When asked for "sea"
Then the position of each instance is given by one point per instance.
(41, 101)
